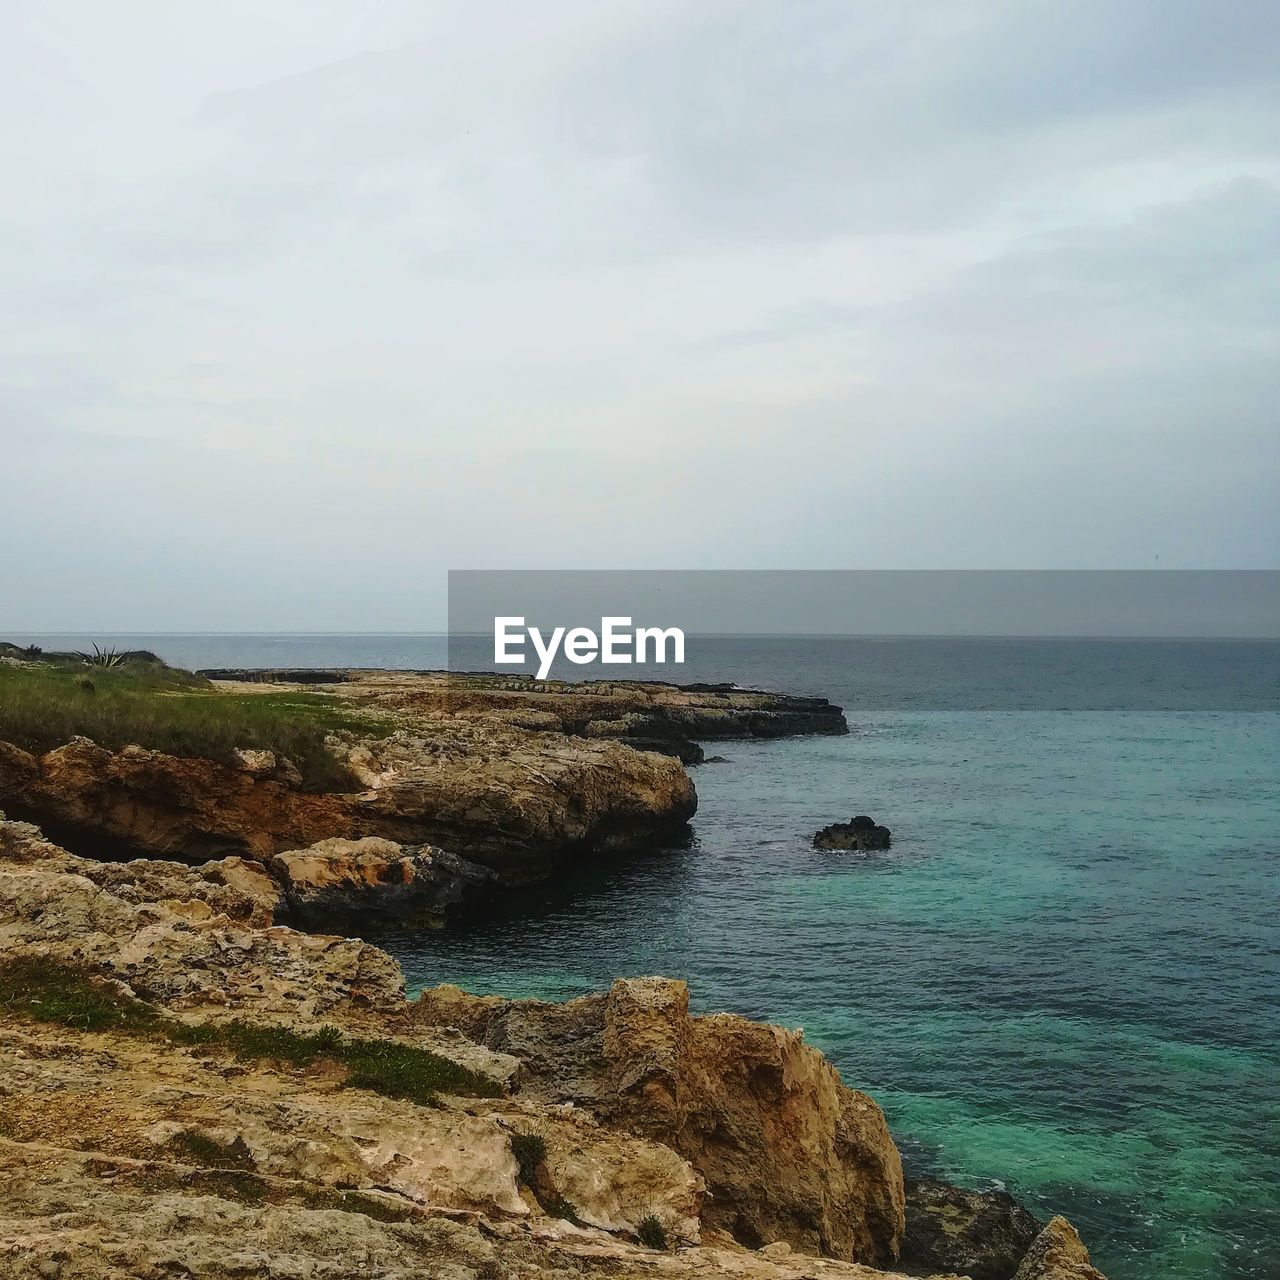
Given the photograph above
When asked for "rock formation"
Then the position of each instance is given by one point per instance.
(983, 1235)
(861, 832)
(1057, 1253)
(510, 775)
(346, 880)
(518, 802)
(788, 1152)
(637, 711)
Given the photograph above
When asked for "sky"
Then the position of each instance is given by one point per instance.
(303, 304)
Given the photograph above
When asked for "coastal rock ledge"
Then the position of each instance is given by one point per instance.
(192, 1089)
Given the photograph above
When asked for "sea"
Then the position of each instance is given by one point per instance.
(1063, 979)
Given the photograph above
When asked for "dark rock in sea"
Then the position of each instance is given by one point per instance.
(858, 833)
(716, 760)
(984, 1235)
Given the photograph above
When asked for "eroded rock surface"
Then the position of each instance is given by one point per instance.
(344, 880)
(639, 711)
(515, 801)
(788, 1151)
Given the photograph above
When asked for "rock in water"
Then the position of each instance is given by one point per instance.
(1057, 1253)
(858, 833)
(984, 1235)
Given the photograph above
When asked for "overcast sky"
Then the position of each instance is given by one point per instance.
(303, 303)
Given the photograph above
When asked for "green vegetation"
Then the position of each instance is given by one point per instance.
(356, 1202)
(136, 699)
(245, 1187)
(530, 1151)
(651, 1233)
(194, 1147)
(105, 657)
(558, 1207)
(51, 991)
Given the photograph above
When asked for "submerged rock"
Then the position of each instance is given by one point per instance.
(983, 1235)
(861, 832)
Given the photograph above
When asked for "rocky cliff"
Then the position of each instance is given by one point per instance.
(516, 801)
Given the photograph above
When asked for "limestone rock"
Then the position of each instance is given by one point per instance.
(1057, 1253)
(787, 1150)
(130, 1155)
(518, 802)
(344, 879)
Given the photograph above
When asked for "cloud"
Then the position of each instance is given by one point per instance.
(326, 290)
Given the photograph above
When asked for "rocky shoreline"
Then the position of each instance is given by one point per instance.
(514, 779)
(156, 1115)
(198, 1081)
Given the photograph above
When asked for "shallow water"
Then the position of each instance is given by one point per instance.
(1063, 974)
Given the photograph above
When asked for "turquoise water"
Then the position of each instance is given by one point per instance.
(1060, 977)
(1063, 976)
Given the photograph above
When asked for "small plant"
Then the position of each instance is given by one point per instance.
(651, 1233)
(530, 1151)
(200, 1149)
(558, 1207)
(105, 658)
(84, 684)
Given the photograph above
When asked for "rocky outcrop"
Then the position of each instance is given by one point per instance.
(344, 880)
(983, 1235)
(788, 1152)
(1058, 1253)
(862, 833)
(517, 802)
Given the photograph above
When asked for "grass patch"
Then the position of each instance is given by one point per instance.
(651, 1233)
(146, 703)
(50, 991)
(558, 1207)
(194, 1147)
(530, 1151)
(357, 1202)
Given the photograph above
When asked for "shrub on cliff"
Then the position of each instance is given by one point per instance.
(651, 1233)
